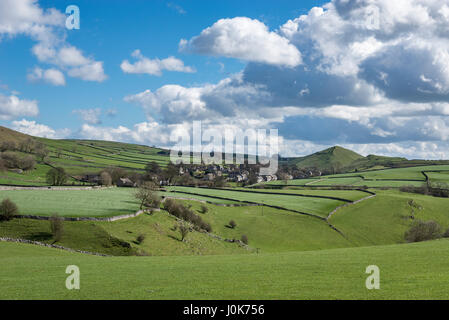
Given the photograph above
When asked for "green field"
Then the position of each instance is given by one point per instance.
(385, 218)
(412, 271)
(351, 195)
(316, 206)
(74, 203)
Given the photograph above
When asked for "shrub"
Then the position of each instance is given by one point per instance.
(57, 227)
(244, 239)
(8, 210)
(204, 209)
(423, 231)
(446, 233)
(232, 224)
(178, 210)
(140, 238)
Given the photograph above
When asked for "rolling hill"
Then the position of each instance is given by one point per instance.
(332, 159)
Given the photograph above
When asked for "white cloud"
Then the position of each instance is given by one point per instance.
(90, 116)
(154, 66)
(12, 107)
(47, 28)
(52, 75)
(246, 39)
(39, 130)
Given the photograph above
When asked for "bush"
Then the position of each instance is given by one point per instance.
(140, 238)
(446, 233)
(423, 231)
(232, 224)
(244, 239)
(204, 209)
(178, 210)
(8, 210)
(57, 227)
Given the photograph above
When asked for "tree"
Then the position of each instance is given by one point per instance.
(57, 227)
(8, 146)
(10, 159)
(105, 178)
(41, 151)
(8, 210)
(27, 145)
(232, 224)
(56, 176)
(147, 195)
(244, 239)
(116, 173)
(184, 230)
(153, 168)
(171, 171)
(27, 163)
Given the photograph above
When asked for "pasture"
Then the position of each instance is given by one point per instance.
(410, 271)
(316, 206)
(74, 203)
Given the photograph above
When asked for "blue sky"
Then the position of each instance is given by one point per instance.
(323, 73)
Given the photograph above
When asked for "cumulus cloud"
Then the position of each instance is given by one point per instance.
(51, 75)
(359, 72)
(47, 28)
(246, 39)
(90, 116)
(39, 130)
(13, 107)
(154, 66)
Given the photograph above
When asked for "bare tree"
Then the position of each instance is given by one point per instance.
(105, 178)
(147, 195)
(184, 230)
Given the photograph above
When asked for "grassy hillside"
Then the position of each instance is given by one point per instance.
(411, 271)
(316, 206)
(80, 157)
(329, 159)
(119, 238)
(385, 218)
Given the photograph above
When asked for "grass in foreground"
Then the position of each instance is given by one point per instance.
(410, 271)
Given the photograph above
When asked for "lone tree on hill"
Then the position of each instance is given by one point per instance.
(147, 195)
(8, 210)
(184, 230)
(56, 176)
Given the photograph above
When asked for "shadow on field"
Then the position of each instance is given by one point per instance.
(40, 236)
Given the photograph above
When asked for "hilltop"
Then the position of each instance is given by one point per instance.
(332, 159)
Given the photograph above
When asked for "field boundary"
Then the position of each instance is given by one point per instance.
(55, 246)
(348, 204)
